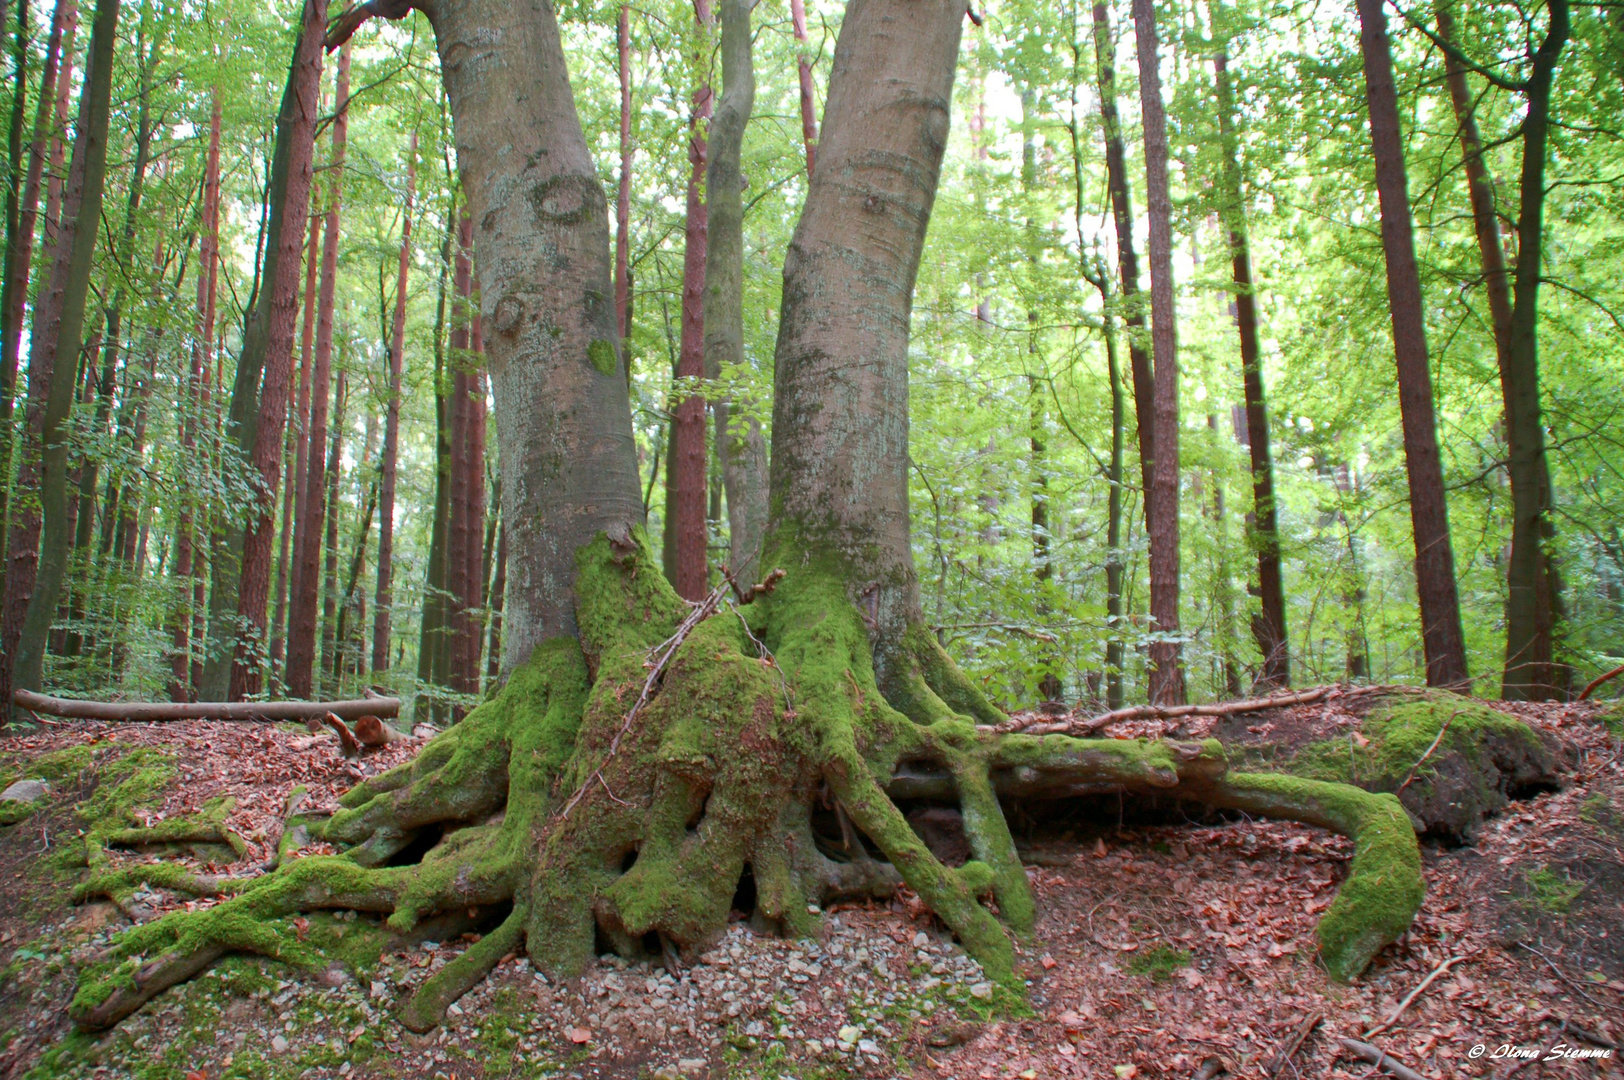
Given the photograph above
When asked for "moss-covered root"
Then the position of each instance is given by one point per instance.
(1384, 887)
(425, 1009)
(149, 959)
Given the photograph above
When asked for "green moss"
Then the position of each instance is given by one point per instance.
(1551, 893)
(1158, 963)
(602, 355)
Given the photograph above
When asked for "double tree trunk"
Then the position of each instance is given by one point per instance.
(431, 638)
(460, 527)
(1441, 635)
(1269, 625)
(40, 539)
(839, 461)
(739, 440)
(569, 464)
(1162, 500)
(1116, 178)
(384, 598)
(267, 345)
(687, 464)
(1533, 594)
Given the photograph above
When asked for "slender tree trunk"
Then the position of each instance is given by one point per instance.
(1533, 594)
(493, 600)
(623, 198)
(330, 641)
(187, 570)
(803, 62)
(462, 532)
(1050, 685)
(384, 600)
(1113, 525)
(468, 636)
(1269, 625)
(1162, 501)
(739, 440)
(267, 342)
(302, 629)
(283, 309)
(1441, 636)
(840, 417)
(432, 634)
(685, 529)
(1116, 173)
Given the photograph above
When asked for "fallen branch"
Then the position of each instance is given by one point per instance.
(1075, 725)
(1413, 994)
(140, 712)
(1377, 1057)
(346, 737)
(1443, 730)
(1598, 680)
(1293, 1043)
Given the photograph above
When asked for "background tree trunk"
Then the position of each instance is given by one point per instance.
(431, 636)
(330, 599)
(623, 197)
(1116, 173)
(687, 464)
(40, 542)
(1441, 635)
(384, 599)
(1162, 500)
(803, 63)
(1269, 625)
(739, 441)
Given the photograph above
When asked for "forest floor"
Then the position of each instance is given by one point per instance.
(1161, 947)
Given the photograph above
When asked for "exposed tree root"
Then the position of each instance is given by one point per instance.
(763, 748)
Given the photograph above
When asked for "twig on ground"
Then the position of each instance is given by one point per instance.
(1291, 1044)
(1413, 994)
(352, 748)
(1564, 1024)
(1560, 974)
(1379, 1058)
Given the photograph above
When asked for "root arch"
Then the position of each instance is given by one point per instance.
(548, 802)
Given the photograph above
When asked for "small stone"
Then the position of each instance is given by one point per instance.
(981, 991)
(868, 1046)
(691, 1066)
(454, 1009)
(849, 1034)
(25, 791)
(279, 1045)
(921, 939)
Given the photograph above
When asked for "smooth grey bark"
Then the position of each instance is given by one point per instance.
(739, 441)
(563, 420)
(839, 495)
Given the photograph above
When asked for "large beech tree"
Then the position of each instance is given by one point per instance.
(645, 753)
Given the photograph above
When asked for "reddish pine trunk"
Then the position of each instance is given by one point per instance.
(493, 650)
(623, 199)
(391, 432)
(689, 465)
(1116, 173)
(809, 117)
(283, 295)
(308, 541)
(1162, 503)
(1269, 625)
(1441, 635)
(472, 630)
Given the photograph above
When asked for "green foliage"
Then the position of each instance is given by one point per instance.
(1550, 892)
(1159, 962)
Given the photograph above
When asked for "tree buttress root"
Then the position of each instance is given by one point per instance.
(624, 783)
